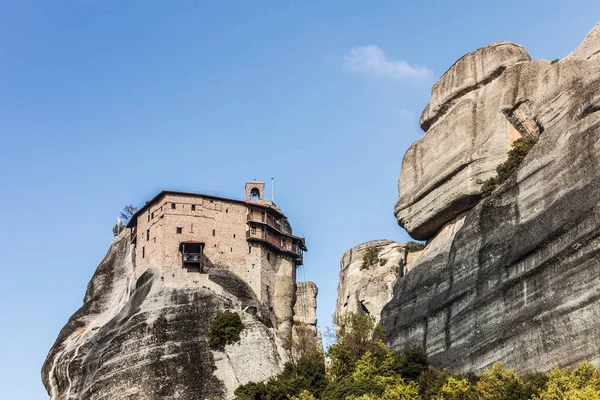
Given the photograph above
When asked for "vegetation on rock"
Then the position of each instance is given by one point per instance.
(361, 367)
(224, 329)
(370, 257)
(414, 246)
(516, 154)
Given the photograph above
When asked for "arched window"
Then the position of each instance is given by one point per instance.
(254, 194)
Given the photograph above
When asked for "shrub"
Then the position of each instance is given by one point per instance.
(414, 246)
(489, 186)
(370, 257)
(520, 148)
(224, 329)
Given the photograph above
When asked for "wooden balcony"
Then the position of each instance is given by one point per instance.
(191, 255)
(192, 258)
(276, 242)
(265, 219)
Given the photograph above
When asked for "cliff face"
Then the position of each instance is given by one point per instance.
(305, 334)
(515, 277)
(367, 288)
(147, 338)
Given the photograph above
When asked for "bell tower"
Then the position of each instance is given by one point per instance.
(255, 191)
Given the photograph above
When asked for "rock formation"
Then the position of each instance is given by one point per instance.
(305, 334)
(467, 137)
(367, 288)
(514, 277)
(147, 338)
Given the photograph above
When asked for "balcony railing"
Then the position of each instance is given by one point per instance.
(274, 241)
(269, 220)
(195, 258)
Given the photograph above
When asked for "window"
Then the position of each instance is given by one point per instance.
(179, 229)
(226, 210)
(148, 234)
(152, 215)
(214, 232)
(143, 251)
(148, 217)
(173, 206)
(253, 229)
(234, 235)
(193, 207)
(250, 251)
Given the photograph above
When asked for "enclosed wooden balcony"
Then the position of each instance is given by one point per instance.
(276, 242)
(191, 255)
(264, 219)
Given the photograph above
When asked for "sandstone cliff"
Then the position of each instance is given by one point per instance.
(147, 338)
(515, 277)
(367, 288)
(305, 334)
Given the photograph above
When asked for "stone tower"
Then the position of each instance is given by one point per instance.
(255, 191)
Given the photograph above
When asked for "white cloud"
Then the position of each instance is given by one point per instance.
(372, 60)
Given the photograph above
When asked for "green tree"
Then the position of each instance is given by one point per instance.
(535, 383)
(410, 362)
(458, 389)
(431, 382)
(356, 334)
(499, 383)
(580, 383)
(305, 395)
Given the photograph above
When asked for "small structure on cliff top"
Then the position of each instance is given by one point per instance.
(178, 230)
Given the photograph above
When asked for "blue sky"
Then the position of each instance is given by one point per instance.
(104, 103)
